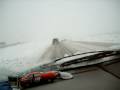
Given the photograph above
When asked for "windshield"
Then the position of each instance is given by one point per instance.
(34, 33)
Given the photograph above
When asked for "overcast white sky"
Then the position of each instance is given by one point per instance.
(28, 20)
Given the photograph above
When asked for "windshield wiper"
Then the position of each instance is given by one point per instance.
(108, 52)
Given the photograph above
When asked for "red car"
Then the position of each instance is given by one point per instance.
(34, 78)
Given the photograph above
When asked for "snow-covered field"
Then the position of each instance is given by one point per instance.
(24, 56)
(19, 58)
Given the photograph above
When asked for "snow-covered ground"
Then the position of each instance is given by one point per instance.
(19, 58)
(24, 56)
